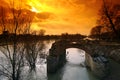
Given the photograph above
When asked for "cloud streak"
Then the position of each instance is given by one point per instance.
(59, 16)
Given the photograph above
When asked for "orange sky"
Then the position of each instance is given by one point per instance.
(61, 16)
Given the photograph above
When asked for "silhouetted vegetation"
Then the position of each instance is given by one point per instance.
(109, 22)
(72, 36)
(33, 48)
(96, 32)
(31, 37)
(19, 22)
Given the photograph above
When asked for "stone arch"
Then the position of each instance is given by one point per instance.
(57, 55)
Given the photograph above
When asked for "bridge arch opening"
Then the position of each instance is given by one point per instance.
(58, 53)
(75, 56)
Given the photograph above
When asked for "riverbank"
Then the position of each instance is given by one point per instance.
(114, 71)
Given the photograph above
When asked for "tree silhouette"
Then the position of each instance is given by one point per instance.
(96, 32)
(15, 21)
(32, 50)
(108, 16)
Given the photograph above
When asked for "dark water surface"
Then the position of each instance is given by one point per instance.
(74, 69)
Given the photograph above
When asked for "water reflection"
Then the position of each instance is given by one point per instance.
(6, 53)
(57, 76)
(74, 68)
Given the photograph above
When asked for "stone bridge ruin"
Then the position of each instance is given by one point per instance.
(96, 54)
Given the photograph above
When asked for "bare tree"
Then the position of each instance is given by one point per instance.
(32, 50)
(2, 18)
(42, 32)
(96, 32)
(108, 15)
(16, 22)
(14, 60)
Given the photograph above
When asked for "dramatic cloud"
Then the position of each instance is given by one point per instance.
(60, 16)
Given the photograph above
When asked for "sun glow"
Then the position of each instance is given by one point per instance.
(34, 10)
(60, 14)
(57, 16)
(41, 6)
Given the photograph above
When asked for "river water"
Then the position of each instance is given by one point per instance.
(74, 69)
